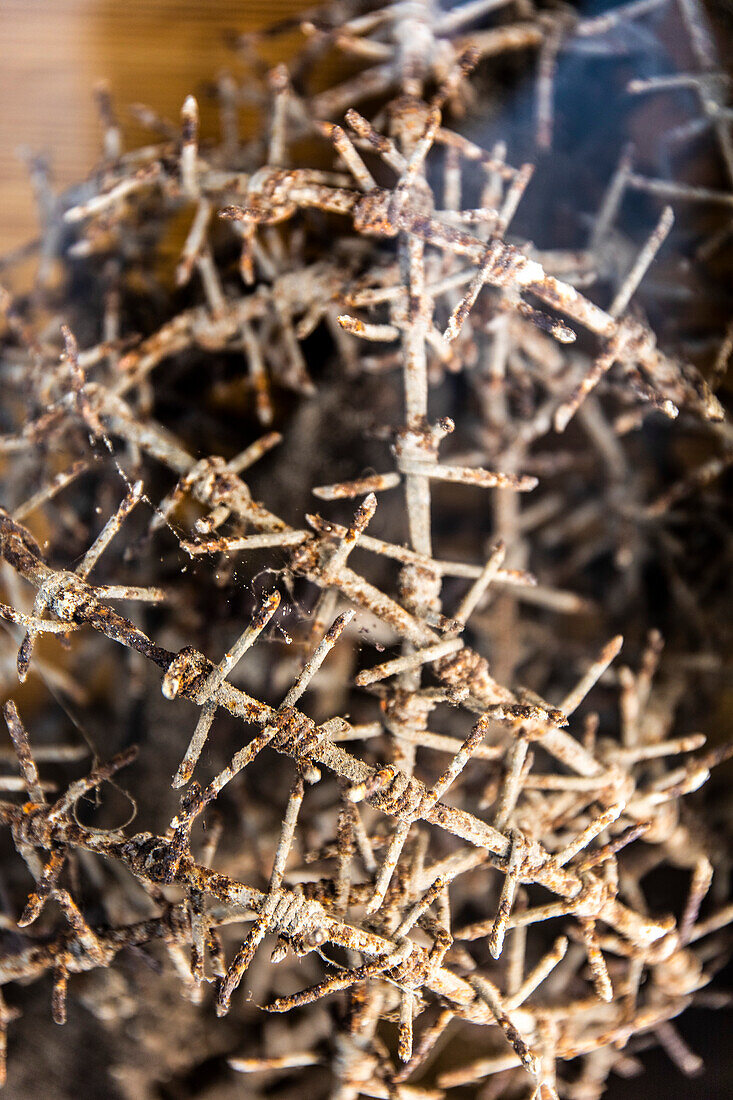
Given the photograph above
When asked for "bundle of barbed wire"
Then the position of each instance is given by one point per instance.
(348, 494)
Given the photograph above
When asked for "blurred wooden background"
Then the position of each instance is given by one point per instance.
(52, 53)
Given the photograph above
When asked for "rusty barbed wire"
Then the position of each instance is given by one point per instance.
(320, 819)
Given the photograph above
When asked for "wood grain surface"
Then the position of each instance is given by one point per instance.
(53, 52)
